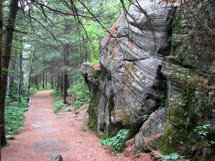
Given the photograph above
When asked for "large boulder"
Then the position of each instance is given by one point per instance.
(151, 131)
(128, 83)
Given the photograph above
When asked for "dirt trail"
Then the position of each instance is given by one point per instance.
(45, 133)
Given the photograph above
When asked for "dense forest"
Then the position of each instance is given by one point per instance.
(45, 42)
(149, 72)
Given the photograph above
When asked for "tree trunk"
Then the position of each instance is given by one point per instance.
(52, 81)
(37, 81)
(58, 82)
(19, 92)
(65, 76)
(46, 73)
(65, 87)
(10, 82)
(3, 140)
(43, 79)
(30, 72)
(61, 84)
(6, 60)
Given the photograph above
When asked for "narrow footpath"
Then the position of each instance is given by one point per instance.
(45, 133)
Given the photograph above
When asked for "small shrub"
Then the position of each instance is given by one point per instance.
(117, 142)
(202, 132)
(57, 106)
(56, 94)
(173, 156)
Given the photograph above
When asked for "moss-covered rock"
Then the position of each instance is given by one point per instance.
(191, 103)
(193, 41)
(101, 98)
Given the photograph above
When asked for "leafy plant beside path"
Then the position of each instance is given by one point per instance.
(78, 93)
(14, 116)
(117, 142)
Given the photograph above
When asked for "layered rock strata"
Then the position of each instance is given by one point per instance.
(128, 83)
(136, 79)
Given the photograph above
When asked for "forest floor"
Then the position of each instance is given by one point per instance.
(45, 133)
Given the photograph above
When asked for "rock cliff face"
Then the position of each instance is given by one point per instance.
(136, 78)
(191, 103)
(128, 83)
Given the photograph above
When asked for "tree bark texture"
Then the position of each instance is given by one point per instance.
(3, 140)
(10, 82)
(6, 60)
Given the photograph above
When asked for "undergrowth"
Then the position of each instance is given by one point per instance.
(173, 156)
(14, 115)
(80, 94)
(117, 142)
(15, 108)
(57, 106)
(59, 102)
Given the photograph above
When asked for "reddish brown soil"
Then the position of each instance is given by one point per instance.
(45, 133)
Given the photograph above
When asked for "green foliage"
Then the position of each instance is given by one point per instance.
(57, 106)
(59, 103)
(117, 142)
(94, 29)
(173, 156)
(162, 103)
(202, 132)
(145, 117)
(209, 143)
(56, 94)
(14, 116)
(33, 90)
(48, 87)
(80, 94)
